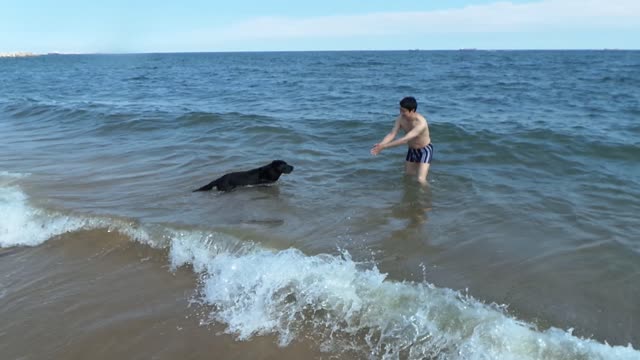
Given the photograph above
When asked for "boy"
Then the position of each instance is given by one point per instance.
(416, 137)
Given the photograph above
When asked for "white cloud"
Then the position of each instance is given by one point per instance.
(543, 15)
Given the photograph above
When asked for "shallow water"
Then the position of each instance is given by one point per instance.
(532, 205)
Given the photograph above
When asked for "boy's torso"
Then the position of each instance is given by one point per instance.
(423, 139)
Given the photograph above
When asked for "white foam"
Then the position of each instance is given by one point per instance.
(24, 225)
(256, 291)
(345, 306)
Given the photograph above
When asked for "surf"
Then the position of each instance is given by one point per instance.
(343, 305)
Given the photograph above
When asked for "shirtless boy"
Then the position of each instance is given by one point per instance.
(416, 137)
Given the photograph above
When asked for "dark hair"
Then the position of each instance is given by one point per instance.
(409, 103)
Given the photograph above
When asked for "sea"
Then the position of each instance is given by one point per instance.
(524, 244)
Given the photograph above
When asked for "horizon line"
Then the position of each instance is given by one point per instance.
(470, 49)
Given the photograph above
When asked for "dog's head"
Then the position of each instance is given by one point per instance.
(282, 166)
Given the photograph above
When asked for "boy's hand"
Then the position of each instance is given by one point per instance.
(375, 150)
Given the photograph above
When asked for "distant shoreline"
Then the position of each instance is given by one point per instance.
(21, 54)
(17, 54)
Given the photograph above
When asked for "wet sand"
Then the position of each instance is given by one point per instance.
(77, 297)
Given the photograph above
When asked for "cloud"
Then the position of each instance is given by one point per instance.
(538, 16)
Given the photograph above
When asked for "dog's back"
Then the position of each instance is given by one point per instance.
(262, 175)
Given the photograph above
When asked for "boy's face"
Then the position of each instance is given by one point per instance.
(406, 113)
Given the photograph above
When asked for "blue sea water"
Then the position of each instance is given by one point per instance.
(525, 243)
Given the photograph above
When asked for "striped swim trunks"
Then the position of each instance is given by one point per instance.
(422, 155)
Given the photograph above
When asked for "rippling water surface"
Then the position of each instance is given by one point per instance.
(525, 244)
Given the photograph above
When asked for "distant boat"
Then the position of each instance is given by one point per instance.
(468, 49)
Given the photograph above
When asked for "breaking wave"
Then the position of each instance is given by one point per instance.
(344, 306)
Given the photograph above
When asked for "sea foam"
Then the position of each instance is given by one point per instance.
(344, 306)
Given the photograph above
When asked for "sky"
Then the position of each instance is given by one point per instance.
(125, 26)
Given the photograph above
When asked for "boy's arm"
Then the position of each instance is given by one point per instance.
(390, 136)
(403, 140)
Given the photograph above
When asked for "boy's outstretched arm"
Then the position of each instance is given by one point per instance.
(403, 140)
(390, 136)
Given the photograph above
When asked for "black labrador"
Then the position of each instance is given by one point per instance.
(263, 175)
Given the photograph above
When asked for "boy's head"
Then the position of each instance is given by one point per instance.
(409, 103)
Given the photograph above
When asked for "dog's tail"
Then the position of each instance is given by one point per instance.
(207, 187)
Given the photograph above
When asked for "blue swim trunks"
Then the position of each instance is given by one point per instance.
(422, 155)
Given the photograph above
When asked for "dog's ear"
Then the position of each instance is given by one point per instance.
(282, 167)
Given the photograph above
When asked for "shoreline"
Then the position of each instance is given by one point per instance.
(18, 54)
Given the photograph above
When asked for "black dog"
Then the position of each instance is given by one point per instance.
(263, 175)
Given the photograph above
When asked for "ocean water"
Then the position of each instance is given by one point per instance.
(524, 245)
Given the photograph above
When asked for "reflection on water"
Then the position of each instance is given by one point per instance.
(410, 215)
(408, 247)
(415, 203)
